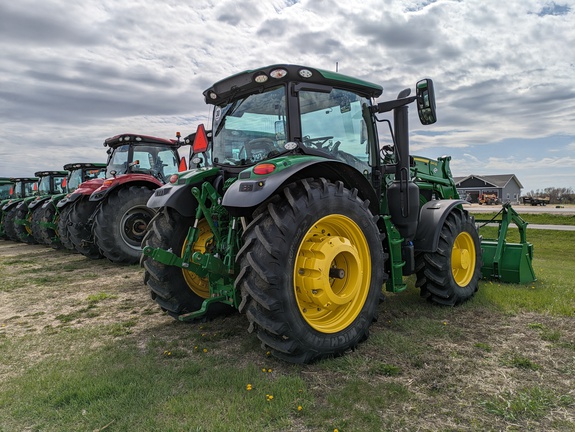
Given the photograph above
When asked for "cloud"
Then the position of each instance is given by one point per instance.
(75, 73)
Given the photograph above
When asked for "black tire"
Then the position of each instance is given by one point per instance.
(177, 291)
(63, 227)
(3, 234)
(80, 227)
(450, 275)
(9, 228)
(121, 222)
(24, 232)
(308, 314)
(48, 214)
(35, 226)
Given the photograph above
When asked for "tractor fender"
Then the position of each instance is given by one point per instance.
(11, 204)
(251, 190)
(111, 184)
(179, 196)
(431, 218)
(38, 202)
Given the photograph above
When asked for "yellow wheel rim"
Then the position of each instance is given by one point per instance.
(197, 284)
(463, 259)
(332, 273)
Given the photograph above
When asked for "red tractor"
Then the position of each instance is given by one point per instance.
(109, 217)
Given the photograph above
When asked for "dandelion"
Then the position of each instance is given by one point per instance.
(444, 322)
(263, 369)
(269, 371)
(249, 387)
(269, 397)
(299, 407)
(205, 350)
(268, 353)
(196, 348)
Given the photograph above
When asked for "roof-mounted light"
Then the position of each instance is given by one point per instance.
(278, 73)
(305, 73)
(261, 78)
(212, 95)
(138, 138)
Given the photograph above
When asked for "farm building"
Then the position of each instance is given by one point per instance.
(507, 187)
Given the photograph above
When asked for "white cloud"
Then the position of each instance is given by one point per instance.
(73, 74)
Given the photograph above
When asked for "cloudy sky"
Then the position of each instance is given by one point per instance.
(73, 73)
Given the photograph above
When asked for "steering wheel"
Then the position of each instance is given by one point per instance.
(318, 142)
(260, 145)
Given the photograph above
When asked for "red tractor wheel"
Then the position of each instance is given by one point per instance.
(121, 223)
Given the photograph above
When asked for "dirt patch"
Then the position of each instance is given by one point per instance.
(458, 369)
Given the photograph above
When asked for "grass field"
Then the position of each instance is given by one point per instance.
(83, 348)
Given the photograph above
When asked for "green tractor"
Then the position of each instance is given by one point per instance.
(298, 216)
(49, 183)
(46, 213)
(6, 188)
(6, 193)
(24, 187)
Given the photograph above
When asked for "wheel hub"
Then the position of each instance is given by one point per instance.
(332, 273)
(463, 259)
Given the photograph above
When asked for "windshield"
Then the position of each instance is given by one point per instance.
(336, 123)
(44, 185)
(156, 160)
(5, 191)
(118, 161)
(28, 189)
(250, 130)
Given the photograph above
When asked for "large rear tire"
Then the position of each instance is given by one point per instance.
(80, 227)
(9, 228)
(63, 227)
(121, 222)
(35, 226)
(450, 275)
(311, 271)
(49, 236)
(176, 290)
(24, 232)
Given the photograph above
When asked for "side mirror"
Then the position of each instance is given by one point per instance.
(426, 101)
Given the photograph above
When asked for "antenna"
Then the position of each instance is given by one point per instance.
(337, 66)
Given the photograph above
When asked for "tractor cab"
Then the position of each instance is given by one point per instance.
(51, 182)
(24, 187)
(140, 154)
(263, 114)
(81, 172)
(6, 188)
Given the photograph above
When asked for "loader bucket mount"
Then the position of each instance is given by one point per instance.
(504, 261)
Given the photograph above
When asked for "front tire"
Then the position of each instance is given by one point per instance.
(450, 275)
(121, 222)
(80, 227)
(49, 236)
(35, 226)
(311, 271)
(24, 232)
(9, 226)
(63, 227)
(177, 291)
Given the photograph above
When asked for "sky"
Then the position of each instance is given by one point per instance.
(73, 73)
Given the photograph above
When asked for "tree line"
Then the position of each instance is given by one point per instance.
(555, 195)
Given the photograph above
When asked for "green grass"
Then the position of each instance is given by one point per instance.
(110, 361)
(535, 218)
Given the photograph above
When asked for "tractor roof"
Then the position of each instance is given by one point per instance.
(48, 173)
(78, 165)
(270, 76)
(24, 179)
(118, 140)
